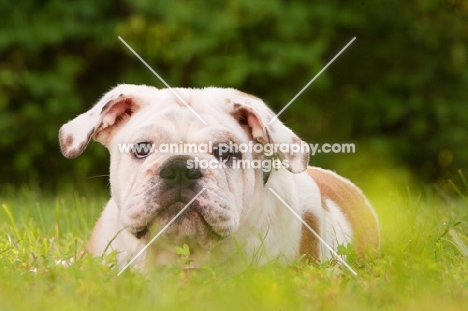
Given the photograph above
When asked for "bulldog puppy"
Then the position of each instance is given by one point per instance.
(233, 215)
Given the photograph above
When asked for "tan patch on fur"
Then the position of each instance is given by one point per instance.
(354, 206)
(309, 245)
(68, 141)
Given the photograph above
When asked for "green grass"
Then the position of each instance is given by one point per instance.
(419, 267)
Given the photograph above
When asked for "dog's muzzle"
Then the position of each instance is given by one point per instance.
(177, 179)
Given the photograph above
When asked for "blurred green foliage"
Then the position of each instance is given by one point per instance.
(399, 91)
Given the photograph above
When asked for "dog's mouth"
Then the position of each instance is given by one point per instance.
(190, 224)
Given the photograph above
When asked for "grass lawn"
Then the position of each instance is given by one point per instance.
(420, 267)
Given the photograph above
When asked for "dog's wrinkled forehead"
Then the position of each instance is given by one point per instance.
(178, 114)
(171, 120)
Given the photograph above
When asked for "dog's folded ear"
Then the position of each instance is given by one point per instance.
(101, 121)
(252, 113)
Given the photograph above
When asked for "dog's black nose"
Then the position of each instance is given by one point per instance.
(177, 172)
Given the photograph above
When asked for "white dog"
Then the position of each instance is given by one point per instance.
(235, 215)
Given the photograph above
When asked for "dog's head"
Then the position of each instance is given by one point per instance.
(150, 186)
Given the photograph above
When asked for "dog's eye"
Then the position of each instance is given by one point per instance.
(142, 149)
(222, 154)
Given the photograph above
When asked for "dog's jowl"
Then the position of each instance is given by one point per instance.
(218, 151)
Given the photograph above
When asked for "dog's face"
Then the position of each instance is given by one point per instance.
(151, 187)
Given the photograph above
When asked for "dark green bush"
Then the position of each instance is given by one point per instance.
(399, 91)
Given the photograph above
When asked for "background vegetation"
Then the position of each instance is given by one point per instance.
(420, 267)
(399, 91)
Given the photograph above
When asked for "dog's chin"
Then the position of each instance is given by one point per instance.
(189, 228)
